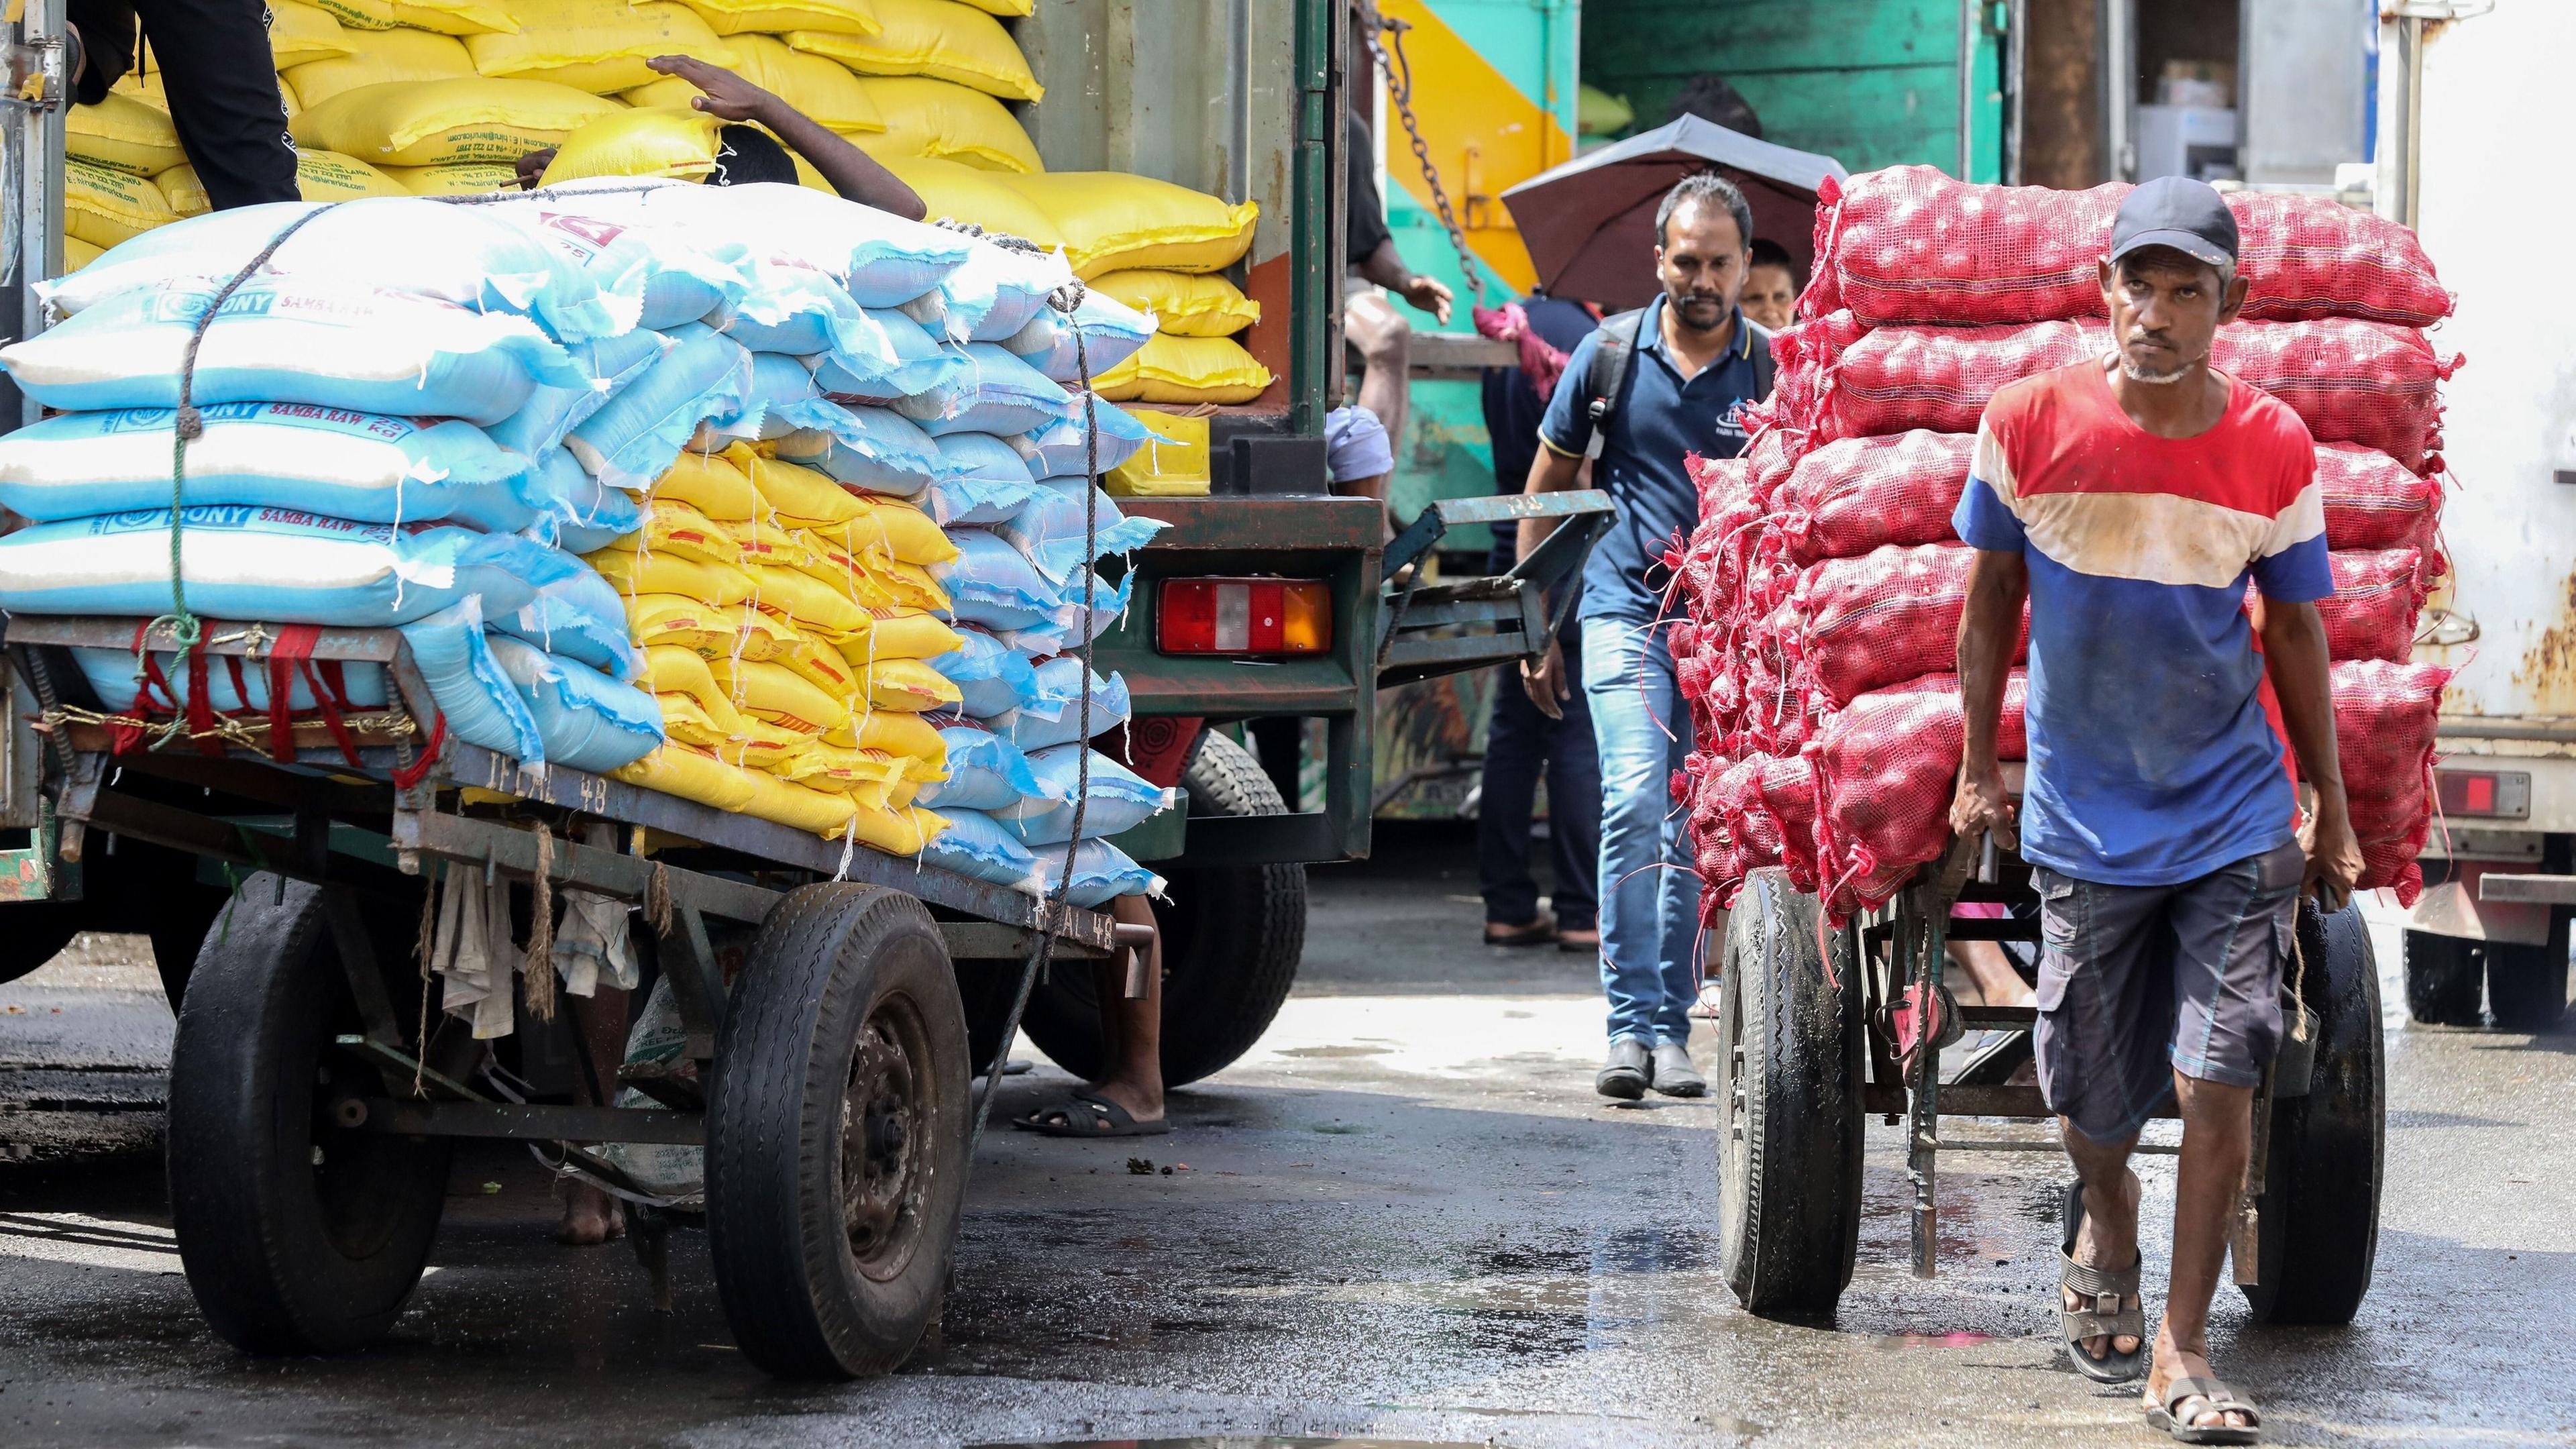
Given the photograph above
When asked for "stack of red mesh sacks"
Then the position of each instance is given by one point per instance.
(1823, 585)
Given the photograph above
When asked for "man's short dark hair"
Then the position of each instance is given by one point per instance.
(746, 154)
(1768, 253)
(1706, 188)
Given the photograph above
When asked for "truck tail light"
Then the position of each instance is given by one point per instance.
(2491, 794)
(1244, 616)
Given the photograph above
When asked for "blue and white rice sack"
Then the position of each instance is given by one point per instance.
(1051, 530)
(992, 584)
(633, 440)
(1058, 448)
(585, 720)
(991, 392)
(1101, 873)
(981, 479)
(480, 702)
(998, 290)
(976, 845)
(985, 772)
(581, 617)
(879, 259)
(606, 366)
(1053, 716)
(1111, 332)
(992, 678)
(1118, 798)
(577, 512)
(888, 357)
(342, 464)
(274, 564)
(876, 449)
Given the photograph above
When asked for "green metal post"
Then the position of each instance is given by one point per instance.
(1310, 286)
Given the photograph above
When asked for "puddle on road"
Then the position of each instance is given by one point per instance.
(1230, 1441)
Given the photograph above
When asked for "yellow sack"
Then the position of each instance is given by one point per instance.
(1183, 303)
(298, 33)
(893, 529)
(937, 38)
(870, 777)
(820, 665)
(1111, 221)
(763, 542)
(1169, 369)
(710, 483)
(897, 733)
(662, 141)
(140, 86)
(820, 812)
(123, 133)
(185, 193)
(927, 117)
(777, 17)
(666, 573)
(103, 206)
(908, 685)
(792, 495)
(777, 695)
(455, 17)
(671, 526)
(806, 602)
(374, 59)
(677, 671)
(1002, 7)
(710, 631)
(954, 191)
(759, 745)
(901, 793)
(1172, 464)
(437, 123)
(360, 14)
(900, 634)
(692, 773)
(687, 719)
(898, 832)
(464, 178)
(329, 176)
(824, 90)
(595, 47)
(872, 582)
(78, 254)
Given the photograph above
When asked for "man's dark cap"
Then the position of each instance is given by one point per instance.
(2178, 212)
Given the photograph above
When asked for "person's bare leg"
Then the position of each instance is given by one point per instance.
(1998, 984)
(2109, 1240)
(1385, 342)
(1132, 1030)
(590, 1217)
(2217, 1138)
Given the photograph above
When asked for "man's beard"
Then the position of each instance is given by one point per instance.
(2135, 371)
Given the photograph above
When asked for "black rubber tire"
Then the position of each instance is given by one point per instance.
(1789, 1068)
(2527, 985)
(833, 963)
(36, 932)
(2443, 975)
(1232, 940)
(287, 1256)
(2319, 1213)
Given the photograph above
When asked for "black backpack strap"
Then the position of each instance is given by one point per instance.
(1606, 385)
(1765, 366)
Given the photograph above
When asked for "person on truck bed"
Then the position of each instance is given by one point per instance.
(217, 74)
(2128, 499)
(1639, 396)
(751, 154)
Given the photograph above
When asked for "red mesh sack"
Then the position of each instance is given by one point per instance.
(1909, 244)
(1886, 768)
(2385, 715)
(1876, 620)
(1851, 496)
(2377, 595)
(2374, 501)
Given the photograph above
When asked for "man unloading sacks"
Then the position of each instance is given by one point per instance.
(2128, 499)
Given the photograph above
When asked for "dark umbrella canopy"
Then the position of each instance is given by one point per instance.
(1590, 223)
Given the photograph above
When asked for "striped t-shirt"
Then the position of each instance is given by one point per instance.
(2156, 754)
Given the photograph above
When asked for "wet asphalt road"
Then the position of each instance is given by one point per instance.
(1405, 1216)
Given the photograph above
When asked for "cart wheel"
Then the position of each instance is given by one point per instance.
(2527, 985)
(37, 933)
(2319, 1213)
(2443, 974)
(1233, 937)
(836, 1134)
(298, 1236)
(1789, 1118)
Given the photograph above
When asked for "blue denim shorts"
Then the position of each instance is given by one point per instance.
(2137, 983)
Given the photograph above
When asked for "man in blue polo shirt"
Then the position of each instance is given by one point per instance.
(1640, 395)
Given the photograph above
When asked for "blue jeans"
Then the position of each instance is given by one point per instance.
(1649, 893)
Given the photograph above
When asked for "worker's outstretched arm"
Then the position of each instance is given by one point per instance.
(853, 172)
(1989, 627)
(2294, 655)
(1543, 677)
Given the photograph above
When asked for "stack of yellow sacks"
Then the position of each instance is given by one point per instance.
(786, 623)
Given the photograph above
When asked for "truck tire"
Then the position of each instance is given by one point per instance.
(1232, 939)
(2318, 1217)
(2443, 974)
(836, 1134)
(2526, 985)
(1789, 1106)
(37, 932)
(298, 1236)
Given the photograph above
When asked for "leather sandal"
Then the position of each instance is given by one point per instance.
(2215, 1397)
(2106, 1318)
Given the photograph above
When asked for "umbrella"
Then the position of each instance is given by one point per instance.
(1590, 223)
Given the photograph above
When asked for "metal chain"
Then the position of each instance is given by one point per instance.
(1399, 86)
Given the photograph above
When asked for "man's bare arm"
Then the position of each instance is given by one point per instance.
(2294, 654)
(854, 173)
(1998, 584)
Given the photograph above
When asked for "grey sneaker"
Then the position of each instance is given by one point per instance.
(1674, 1075)
(1627, 1072)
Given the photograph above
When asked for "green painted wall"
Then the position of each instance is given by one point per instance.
(1869, 82)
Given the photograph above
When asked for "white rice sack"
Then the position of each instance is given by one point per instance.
(582, 618)
(1058, 448)
(981, 480)
(634, 438)
(578, 513)
(976, 845)
(992, 677)
(997, 290)
(1118, 798)
(881, 260)
(1053, 716)
(287, 339)
(272, 564)
(1101, 874)
(669, 274)
(991, 584)
(410, 244)
(985, 772)
(1051, 530)
(605, 366)
(362, 466)
(890, 358)
(481, 704)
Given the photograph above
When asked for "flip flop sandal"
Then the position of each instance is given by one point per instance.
(2216, 1397)
(1537, 933)
(1084, 1115)
(2106, 1318)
